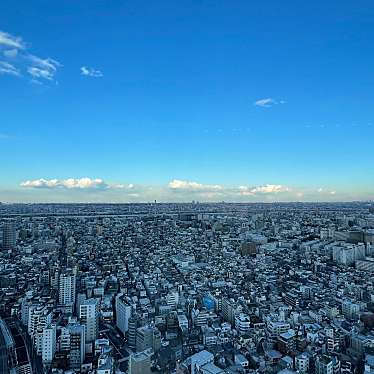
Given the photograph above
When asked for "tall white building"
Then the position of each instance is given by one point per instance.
(123, 313)
(25, 306)
(49, 344)
(89, 316)
(39, 317)
(66, 289)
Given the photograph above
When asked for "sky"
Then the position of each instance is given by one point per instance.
(224, 100)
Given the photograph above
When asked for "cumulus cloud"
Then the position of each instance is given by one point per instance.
(270, 188)
(211, 192)
(91, 72)
(265, 189)
(245, 191)
(71, 183)
(7, 68)
(268, 102)
(183, 185)
(177, 190)
(18, 61)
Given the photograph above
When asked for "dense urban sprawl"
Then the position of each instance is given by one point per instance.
(187, 288)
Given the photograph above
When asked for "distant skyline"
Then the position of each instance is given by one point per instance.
(128, 101)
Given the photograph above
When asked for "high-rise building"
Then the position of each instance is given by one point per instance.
(89, 316)
(80, 298)
(132, 327)
(140, 363)
(123, 313)
(77, 345)
(39, 317)
(9, 235)
(67, 289)
(49, 344)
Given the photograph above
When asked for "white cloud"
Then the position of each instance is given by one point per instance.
(19, 60)
(224, 191)
(91, 72)
(177, 184)
(11, 41)
(270, 188)
(42, 68)
(325, 191)
(7, 68)
(39, 73)
(41, 183)
(245, 191)
(71, 183)
(268, 102)
(177, 190)
(84, 183)
(262, 190)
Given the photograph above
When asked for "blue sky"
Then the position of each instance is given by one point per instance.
(204, 100)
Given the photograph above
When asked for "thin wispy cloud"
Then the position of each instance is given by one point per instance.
(91, 72)
(42, 68)
(10, 41)
(10, 53)
(7, 68)
(18, 61)
(268, 102)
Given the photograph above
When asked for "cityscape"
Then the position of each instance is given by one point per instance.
(187, 288)
(186, 187)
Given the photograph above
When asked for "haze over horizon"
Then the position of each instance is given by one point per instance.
(209, 101)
